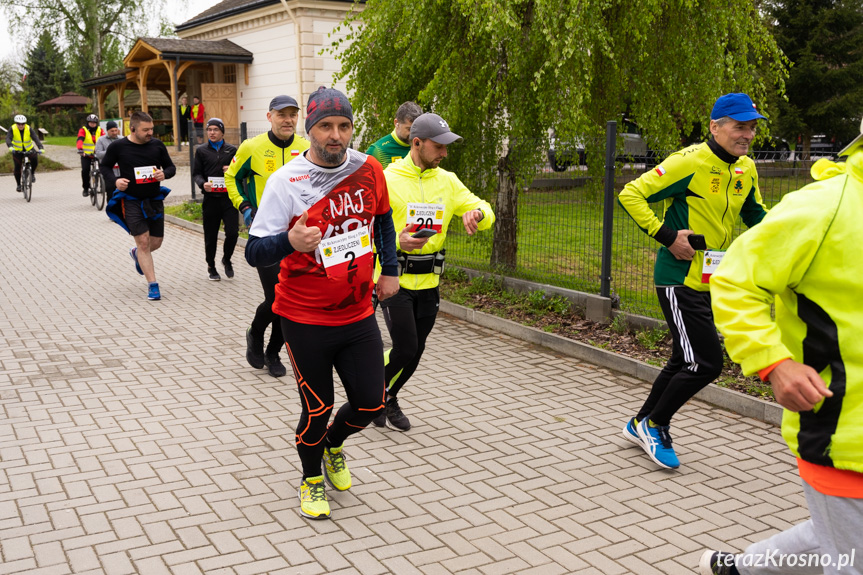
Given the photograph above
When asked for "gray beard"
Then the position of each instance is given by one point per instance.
(329, 158)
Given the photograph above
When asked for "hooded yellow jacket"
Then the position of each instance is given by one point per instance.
(406, 184)
(805, 252)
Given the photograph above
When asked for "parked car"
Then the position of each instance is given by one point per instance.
(563, 154)
(774, 149)
(821, 145)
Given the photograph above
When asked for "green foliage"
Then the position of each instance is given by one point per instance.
(191, 211)
(97, 33)
(539, 301)
(47, 72)
(505, 72)
(651, 338)
(825, 86)
(619, 325)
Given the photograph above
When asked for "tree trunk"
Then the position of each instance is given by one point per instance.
(505, 248)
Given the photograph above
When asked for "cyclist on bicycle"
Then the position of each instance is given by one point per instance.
(23, 142)
(88, 135)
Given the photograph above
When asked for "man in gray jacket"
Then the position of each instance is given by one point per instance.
(112, 134)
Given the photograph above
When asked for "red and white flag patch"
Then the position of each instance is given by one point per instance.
(295, 152)
(660, 170)
(738, 171)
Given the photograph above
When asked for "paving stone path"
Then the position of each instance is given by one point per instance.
(135, 439)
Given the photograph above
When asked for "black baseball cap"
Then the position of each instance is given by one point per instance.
(435, 128)
(281, 102)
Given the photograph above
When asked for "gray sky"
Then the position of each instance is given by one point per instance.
(179, 11)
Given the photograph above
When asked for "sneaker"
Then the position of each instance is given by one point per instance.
(717, 563)
(134, 253)
(229, 269)
(335, 469)
(274, 365)
(85, 193)
(254, 350)
(313, 498)
(381, 420)
(631, 434)
(395, 418)
(32, 178)
(213, 274)
(18, 189)
(153, 292)
(656, 441)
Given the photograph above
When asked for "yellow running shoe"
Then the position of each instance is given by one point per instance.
(335, 469)
(313, 498)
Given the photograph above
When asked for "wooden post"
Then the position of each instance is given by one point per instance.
(172, 74)
(101, 101)
(142, 88)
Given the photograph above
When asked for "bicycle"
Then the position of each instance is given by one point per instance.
(97, 185)
(26, 178)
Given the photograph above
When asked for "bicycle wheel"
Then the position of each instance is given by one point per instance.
(99, 192)
(27, 182)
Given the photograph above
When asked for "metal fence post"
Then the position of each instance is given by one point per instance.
(244, 132)
(608, 208)
(193, 139)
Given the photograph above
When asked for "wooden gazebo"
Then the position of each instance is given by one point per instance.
(165, 64)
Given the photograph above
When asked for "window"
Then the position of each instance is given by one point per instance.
(229, 74)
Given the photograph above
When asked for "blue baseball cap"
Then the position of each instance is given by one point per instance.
(737, 107)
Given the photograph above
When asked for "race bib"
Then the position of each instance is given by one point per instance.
(426, 216)
(344, 253)
(217, 184)
(712, 258)
(145, 174)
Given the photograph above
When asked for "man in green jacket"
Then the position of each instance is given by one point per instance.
(703, 189)
(424, 199)
(804, 257)
(395, 146)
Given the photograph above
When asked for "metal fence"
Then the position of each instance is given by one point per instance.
(561, 215)
(560, 226)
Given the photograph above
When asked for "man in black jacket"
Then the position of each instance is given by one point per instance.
(211, 163)
(137, 204)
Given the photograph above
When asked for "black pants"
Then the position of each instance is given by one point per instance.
(18, 159)
(184, 129)
(264, 315)
(410, 316)
(696, 354)
(218, 208)
(356, 351)
(86, 161)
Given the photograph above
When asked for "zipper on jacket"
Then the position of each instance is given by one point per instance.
(727, 204)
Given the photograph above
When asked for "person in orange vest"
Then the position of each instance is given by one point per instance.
(88, 135)
(23, 142)
(185, 115)
(198, 117)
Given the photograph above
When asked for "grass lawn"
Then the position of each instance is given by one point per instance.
(61, 141)
(7, 166)
(560, 243)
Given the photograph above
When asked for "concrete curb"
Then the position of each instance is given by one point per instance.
(720, 397)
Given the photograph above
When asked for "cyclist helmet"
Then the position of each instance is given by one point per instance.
(92, 118)
(20, 119)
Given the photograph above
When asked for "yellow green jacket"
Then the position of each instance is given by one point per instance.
(256, 160)
(702, 188)
(407, 184)
(806, 252)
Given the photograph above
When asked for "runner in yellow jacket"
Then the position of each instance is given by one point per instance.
(424, 199)
(804, 257)
(703, 189)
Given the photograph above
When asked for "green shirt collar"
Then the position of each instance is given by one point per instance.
(399, 142)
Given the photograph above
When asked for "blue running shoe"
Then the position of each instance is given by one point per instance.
(134, 253)
(656, 442)
(153, 292)
(631, 434)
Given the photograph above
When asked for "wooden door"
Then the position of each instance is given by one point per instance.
(220, 101)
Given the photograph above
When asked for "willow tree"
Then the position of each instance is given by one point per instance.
(505, 72)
